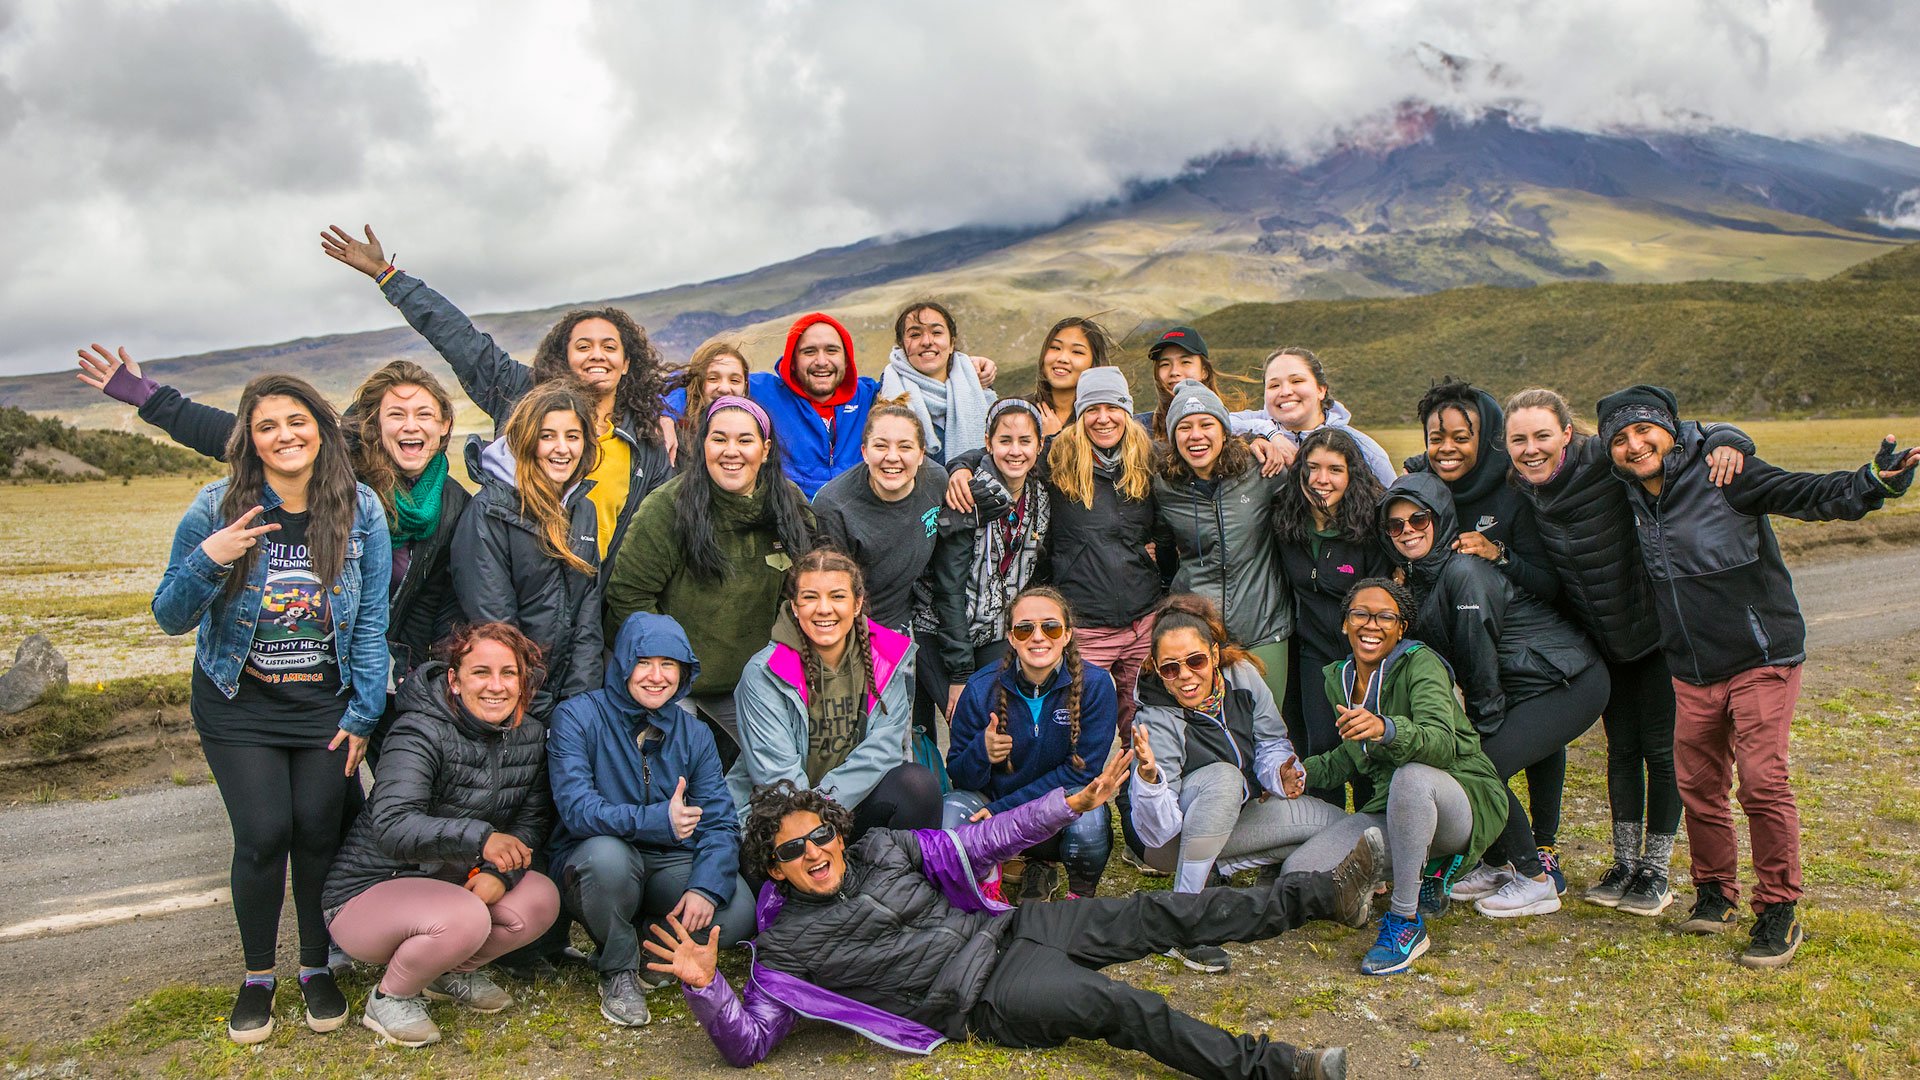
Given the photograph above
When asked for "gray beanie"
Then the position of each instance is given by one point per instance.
(1101, 386)
(1191, 398)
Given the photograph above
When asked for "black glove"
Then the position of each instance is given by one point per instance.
(991, 500)
(1889, 459)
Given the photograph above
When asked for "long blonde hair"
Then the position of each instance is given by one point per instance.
(1071, 462)
(540, 498)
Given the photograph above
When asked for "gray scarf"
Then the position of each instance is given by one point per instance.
(954, 413)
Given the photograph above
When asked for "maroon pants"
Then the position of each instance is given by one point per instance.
(1742, 724)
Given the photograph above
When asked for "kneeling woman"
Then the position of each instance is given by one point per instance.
(1435, 795)
(1216, 779)
(1005, 755)
(434, 879)
(826, 703)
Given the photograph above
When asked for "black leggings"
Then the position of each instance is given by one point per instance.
(908, 797)
(281, 802)
(1536, 730)
(1639, 720)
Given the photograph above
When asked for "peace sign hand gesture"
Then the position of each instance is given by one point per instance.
(232, 543)
(690, 961)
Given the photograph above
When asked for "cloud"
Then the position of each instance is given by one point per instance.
(167, 163)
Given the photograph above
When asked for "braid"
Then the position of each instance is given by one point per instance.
(810, 660)
(1000, 702)
(1077, 672)
(863, 652)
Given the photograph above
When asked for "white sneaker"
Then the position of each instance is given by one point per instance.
(1521, 895)
(1485, 880)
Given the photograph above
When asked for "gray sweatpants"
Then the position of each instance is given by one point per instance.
(1427, 815)
(1216, 826)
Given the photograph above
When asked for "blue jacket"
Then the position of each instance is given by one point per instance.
(1042, 747)
(605, 785)
(192, 595)
(809, 453)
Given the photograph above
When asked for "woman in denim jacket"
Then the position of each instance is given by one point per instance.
(290, 667)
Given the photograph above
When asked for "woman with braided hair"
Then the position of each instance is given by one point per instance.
(826, 703)
(1058, 735)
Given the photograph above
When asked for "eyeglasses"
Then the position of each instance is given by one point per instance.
(1385, 620)
(797, 846)
(1053, 628)
(1198, 663)
(1417, 521)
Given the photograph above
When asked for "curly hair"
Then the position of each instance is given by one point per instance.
(829, 560)
(1402, 599)
(770, 805)
(526, 652)
(1355, 519)
(636, 397)
(1233, 461)
(1451, 393)
(1069, 659)
(1189, 611)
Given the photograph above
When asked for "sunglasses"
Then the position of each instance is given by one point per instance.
(1053, 628)
(1198, 663)
(1386, 620)
(797, 846)
(1417, 521)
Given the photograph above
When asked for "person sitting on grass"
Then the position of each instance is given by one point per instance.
(892, 938)
(1435, 795)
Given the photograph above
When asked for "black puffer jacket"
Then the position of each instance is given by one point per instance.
(1487, 504)
(504, 574)
(446, 782)
(898, 945)
(1098, 554)
(1586, 527)
(1505, 645)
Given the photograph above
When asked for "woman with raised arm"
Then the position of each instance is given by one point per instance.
(526, 552)
(436, 878)
(602, 348)
(716, 370)
(280, 568)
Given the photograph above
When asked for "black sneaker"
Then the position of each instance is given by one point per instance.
(1713, 913)
(1436, 883)
(1211, 959)
(251, 1018)
(1647, 894)
(1776, 937)
(326, 1005)
(1611, 887)
(1353, 879)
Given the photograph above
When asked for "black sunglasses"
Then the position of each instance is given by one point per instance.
(797, 846)
(1415, 521)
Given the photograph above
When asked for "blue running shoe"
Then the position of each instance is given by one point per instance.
(1401, 942)
(1436, 883)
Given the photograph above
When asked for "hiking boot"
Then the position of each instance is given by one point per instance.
(1139, 862)
(1436, 883)
(1521, 895)
(1611, 887)
(1647, 894)
(1550, 865)
(1353, 879)
(1039, 882)
(401, 1020)
(1776, 936)
(1713, 913)
(470, 988)
(251, 1018)
(1327, 1064)
(326, 1005)
(623, 1000)
(1211, 959)
(1401, 942)
(1485, 880)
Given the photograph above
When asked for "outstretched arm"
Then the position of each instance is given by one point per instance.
(200, 428)
(744, 1032)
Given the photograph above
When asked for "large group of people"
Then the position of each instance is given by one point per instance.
(856, 668)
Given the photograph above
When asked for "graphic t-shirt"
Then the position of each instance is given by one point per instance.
(289, 691)
(892, 541)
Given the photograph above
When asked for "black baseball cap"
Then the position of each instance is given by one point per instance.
(1184, 336)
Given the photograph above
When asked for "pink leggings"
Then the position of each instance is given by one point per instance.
(422, 928)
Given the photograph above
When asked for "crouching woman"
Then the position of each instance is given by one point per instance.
(434, 879)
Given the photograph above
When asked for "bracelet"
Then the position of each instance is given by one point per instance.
(386, 275)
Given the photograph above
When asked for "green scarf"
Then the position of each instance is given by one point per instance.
(416, 510)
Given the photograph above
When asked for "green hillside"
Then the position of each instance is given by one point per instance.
(1844, 345)
(33, 448)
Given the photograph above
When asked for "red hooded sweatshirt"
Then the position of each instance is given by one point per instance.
(842, 393)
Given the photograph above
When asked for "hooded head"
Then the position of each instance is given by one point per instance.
(646, 634)
(1429, 493)
(809, 369)
(1449, 401)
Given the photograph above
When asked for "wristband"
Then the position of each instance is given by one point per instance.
(386, 275)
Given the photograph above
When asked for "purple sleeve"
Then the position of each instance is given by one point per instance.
(744, 1032)
(1003, 835)
(124, 386)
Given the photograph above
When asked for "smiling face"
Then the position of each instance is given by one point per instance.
(654, 680)
(286, 438)
(1374, 633)
(820, 870)
(1188, 686)
(487, 681)
(1453, 442)
(596, 355)
(1536, 442)
(1014, 446)
(1199, 439)
(825, 605)
(734, 451)
(1069, 352)
(726, 375)
(1038, 654)
(412, 428)
(1105, 424)
(820, 361)
(893, 455)
(1325, 478)
(561, 446)
(1173, 364)
(1638, 449)
(1295, 400)
(928, 342)
(1416, 535)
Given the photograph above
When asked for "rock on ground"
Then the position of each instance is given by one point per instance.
(37, 668)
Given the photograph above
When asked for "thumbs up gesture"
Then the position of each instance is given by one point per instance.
(999, 744)
(681, 816)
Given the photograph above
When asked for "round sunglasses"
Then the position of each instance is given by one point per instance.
(1417, 521)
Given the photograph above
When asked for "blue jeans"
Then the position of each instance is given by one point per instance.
(1081, 848)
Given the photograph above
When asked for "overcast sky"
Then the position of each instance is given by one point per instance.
(165, 167)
